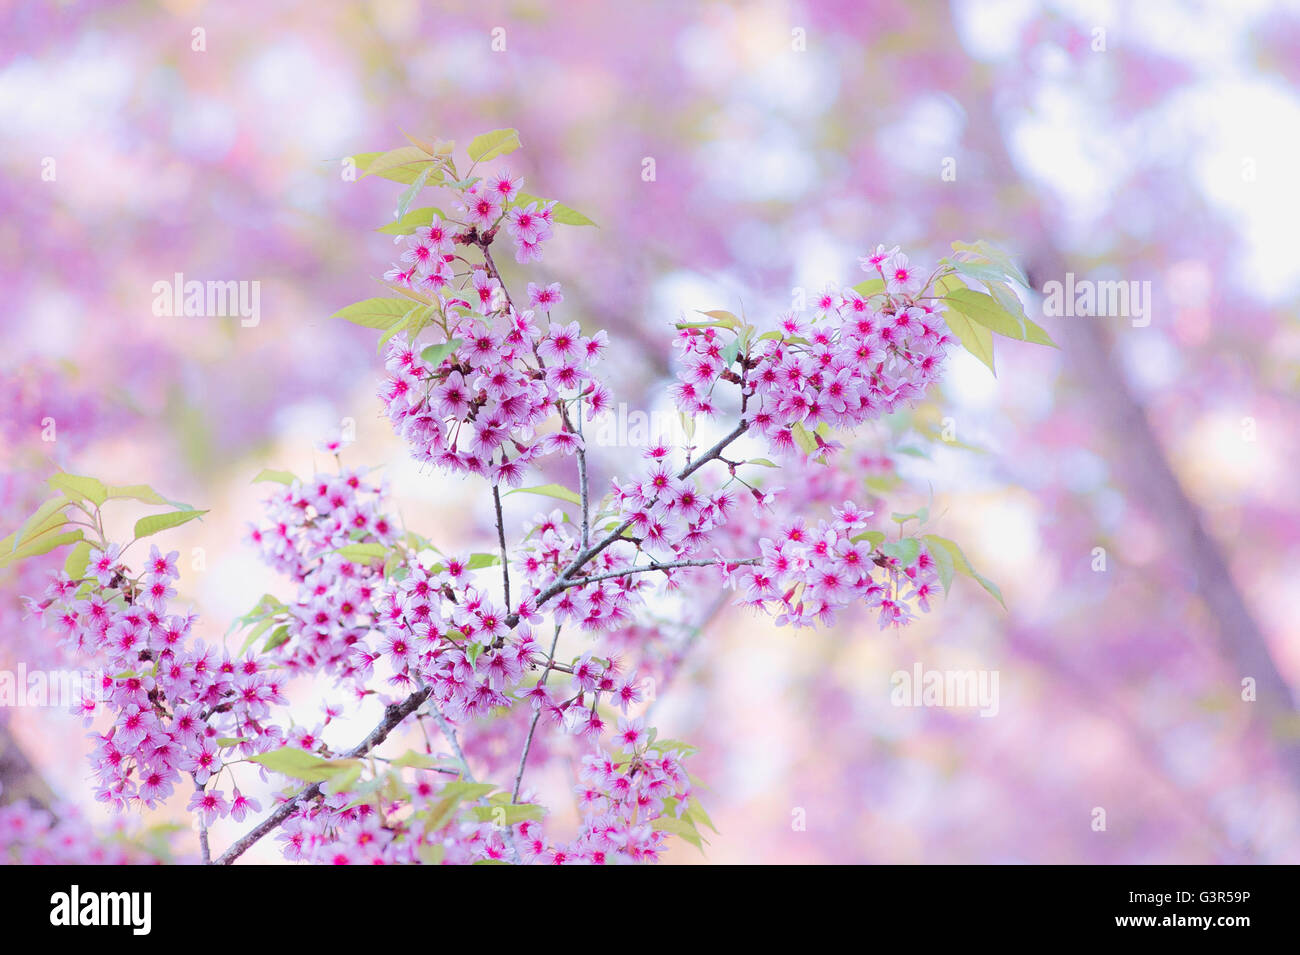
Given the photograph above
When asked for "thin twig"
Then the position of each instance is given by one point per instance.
(450, 734)
(393, 717)
(203, 831)
(561, 583)
(582, 482)
(648, 568)
(532, 727)
(501, 538)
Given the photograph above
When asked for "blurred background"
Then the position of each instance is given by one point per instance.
(1150, 142)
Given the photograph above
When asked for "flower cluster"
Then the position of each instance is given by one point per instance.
(811, 573)
(33, 836)
(309, 523)
(629, 802)
(345, 830)
(175, 703)
(479, 404)
(857, 357)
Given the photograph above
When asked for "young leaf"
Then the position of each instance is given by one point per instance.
(410, 221)
(404, 164)
(1036, 334)
(42, 543)
(962, 565)
(270, 474)
(985, 309)
(410, 192)
(49, 515)
(434, 354)
(75, 563)
(905, 551)
(721, 317)
(499, 142)
(976, 339)
(362, 553)
(375, 312)
(806, 442)
(557, 491)
(870, 287)
(161, 522)
(79, 487)
(138, 492)
(559, 212)
(991, 253)
(300, 764)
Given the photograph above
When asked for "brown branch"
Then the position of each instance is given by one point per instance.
(394, 715)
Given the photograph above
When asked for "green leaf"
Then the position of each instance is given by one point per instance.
(559, 212)
(344, 779)
(79, 488)
(806, 442)
(138, 492)
(962, 565)
(467, 790)
(905, 551)
(721, 317)
(431, 854)
(683, 827)
(731, 352)
(42, 543)
(405, 322)
(375, 312)
(876, 538)
(300, 764)
(870, 287)
(1036, 334)
(696, 814)
(499, 142)
(413, 760)
(508, 815)
(279, 635)
(992, 254)
(270, 474)
(763, 463)
(362, 553)
(557, 491)
(256, 632)
(161, 522)
(943, 563)
(404, 164)
(985, 309)
(434, 354)
(976, 339)
(46, 517)
(75, 563)
(408, 223)
(979, 271)
(410, 192)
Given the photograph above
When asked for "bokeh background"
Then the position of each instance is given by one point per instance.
(1150, 142)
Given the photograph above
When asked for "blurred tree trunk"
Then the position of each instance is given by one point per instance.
(1136, 452)
(18, 777)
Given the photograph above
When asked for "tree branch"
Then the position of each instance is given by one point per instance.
(532, 727)
(394, 715)
(501, 539)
